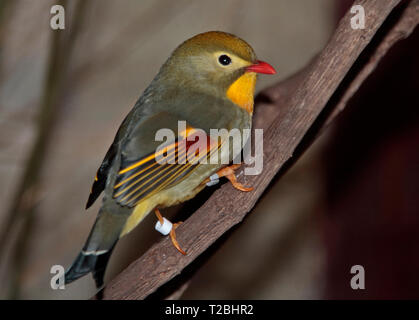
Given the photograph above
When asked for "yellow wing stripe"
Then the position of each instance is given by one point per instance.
(188, 131)
(166, 171)
(158, 177)
(133, 176)
(173, 177)
(146, 159)
(141, 171)
(135, 182)
(141, 178)
(158, 180)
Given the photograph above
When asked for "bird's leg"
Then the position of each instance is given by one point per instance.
(228, 172)
(159, 216)
(172, 231)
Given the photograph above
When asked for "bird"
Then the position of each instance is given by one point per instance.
(208, 82)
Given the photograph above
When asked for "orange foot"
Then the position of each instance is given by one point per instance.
(228, 172)
(172, 232)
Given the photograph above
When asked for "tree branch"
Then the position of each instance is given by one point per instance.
(321, 89)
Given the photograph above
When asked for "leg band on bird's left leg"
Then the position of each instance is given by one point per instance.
(165, 227)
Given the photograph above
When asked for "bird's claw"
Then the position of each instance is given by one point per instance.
(173, 238)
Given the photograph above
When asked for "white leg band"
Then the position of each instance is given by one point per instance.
(165, 228)
(214, 179)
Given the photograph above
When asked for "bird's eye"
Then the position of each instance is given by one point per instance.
(224, 59)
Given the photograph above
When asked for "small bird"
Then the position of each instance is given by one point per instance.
(208, 82)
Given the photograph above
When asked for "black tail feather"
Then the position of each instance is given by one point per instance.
(80, 267)
(99, 245)
(84, 264)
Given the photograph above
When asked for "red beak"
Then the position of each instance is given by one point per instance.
(261, 67)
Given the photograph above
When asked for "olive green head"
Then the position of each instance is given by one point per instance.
(211, 61)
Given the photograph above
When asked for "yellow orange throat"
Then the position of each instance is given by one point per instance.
(242, 90)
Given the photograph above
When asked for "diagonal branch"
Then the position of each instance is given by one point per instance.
(311, 96)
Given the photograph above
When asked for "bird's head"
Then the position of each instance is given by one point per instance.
(216, 63)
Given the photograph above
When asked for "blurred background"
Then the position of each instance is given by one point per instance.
(351, 199)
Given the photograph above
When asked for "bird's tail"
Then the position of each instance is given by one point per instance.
(98, 248)
(83, 264)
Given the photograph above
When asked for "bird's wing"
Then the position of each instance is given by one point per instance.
(147, 167)
(102, 173)
(101, 176)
